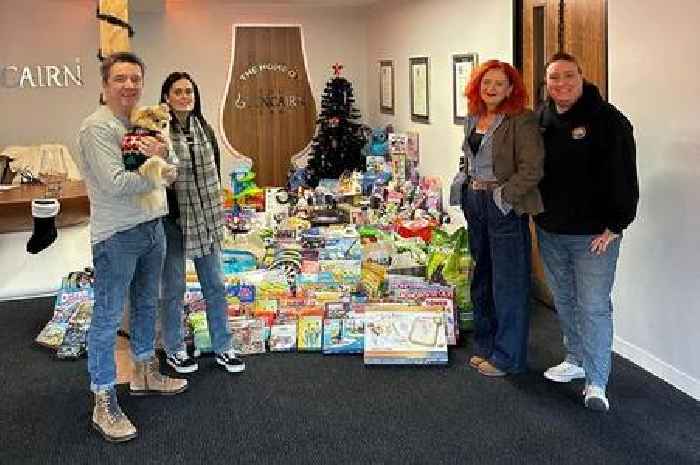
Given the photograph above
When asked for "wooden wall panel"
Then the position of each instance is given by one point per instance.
(270, 114)
(114, 38)
(586, 37)
(551, 24)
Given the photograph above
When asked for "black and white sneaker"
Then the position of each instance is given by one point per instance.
(230, 362)
(181, 362)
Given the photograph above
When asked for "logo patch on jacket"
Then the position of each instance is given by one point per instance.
(578, 133)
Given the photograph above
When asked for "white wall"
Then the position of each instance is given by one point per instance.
(36, 32)
(400, 29)
(196, 37)
(653, 74)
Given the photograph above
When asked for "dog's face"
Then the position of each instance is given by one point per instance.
(155, 117)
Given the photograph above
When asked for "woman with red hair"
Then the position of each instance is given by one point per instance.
(504, 162)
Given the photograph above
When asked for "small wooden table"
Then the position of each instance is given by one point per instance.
(16, 206)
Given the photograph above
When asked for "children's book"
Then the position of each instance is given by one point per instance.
(344, 335)
(247, 335)
(451, 327)
(309, 333)
(75, 305)
(73, 345)
(283, 336)
(200, 331)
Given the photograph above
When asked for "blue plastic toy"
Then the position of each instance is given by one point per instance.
(378, 145)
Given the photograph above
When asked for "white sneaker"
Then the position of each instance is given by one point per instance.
(564, 372)
(595, 398)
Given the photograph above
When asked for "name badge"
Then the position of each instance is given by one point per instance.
(578, 133)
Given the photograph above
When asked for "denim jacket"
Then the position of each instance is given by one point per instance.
(480, 164)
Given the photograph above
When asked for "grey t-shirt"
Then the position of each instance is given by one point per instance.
(112, 190)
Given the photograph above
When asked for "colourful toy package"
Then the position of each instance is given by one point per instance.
(405, 334)
(309, 333)
(247, 335)
(283, 336)
(344, 335)
(200, 331)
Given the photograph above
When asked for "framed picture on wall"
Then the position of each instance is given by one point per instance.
(386, 87)
(419, 79)
(462, 66)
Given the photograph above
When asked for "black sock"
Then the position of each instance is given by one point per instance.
(44, 212)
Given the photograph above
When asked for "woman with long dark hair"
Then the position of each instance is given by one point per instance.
(194, 227)
(504, 155)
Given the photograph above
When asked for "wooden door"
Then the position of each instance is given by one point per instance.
(586, 37)
(582, 33)
(269, 113)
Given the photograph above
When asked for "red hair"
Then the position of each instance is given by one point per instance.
(511, 105)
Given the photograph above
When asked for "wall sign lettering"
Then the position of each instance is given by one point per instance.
(15, 76)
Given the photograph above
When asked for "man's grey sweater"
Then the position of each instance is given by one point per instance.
(112, 190)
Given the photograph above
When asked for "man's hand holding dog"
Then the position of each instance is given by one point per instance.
(153, 146)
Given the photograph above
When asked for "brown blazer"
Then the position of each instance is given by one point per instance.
(518, 162)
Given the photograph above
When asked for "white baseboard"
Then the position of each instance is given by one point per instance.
(681, 381)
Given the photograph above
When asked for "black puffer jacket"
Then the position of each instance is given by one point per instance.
(590, 173)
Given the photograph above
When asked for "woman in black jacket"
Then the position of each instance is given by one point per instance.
(590, 193)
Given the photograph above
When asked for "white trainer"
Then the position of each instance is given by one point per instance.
(595, 398)
(564, 372)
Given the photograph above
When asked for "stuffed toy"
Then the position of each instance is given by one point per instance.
(378, 145)
(148, 121)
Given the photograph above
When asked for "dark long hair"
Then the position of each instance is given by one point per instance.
(165, 90)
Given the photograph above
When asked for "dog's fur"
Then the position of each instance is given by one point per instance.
(156, 169)
(154, 118)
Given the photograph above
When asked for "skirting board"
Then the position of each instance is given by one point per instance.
(681, 381)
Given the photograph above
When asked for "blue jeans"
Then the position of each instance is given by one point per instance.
(581, 283)
(211, 277)
(130, 260)
(500, 288)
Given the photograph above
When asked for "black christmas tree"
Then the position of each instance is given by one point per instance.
(337, 146)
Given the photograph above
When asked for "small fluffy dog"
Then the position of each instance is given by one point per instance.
(161, 173)
(149, 121)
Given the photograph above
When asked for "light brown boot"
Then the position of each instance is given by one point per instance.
(109, 420)
(146, 379)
